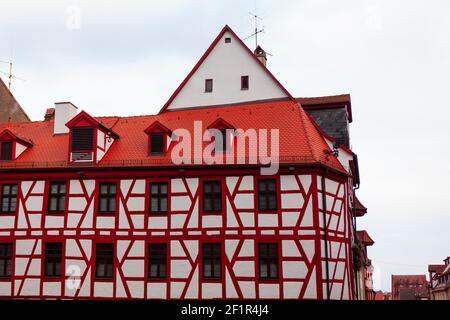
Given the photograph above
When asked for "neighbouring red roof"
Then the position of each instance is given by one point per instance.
(300, 141)
(417, 285)
(438, 268)
(364, 237)
(360, 210)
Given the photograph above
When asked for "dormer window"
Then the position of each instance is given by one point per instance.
(222, 133)
(209, 85)
(82, 144)
(156, 143)
(90, 140)
(6, 150)
(159, 136)
(12, 145)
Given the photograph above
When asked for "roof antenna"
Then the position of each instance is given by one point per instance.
(257, 31)
(10, 74)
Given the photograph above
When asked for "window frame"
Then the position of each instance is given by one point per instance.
(51, 275)
(7, 257)
(212, 258)
(105, 260)
(267, 193)
(2, 143)
(212, 211)
(9, 197)
(159, 195)
(245, 80)
(207, 88)
(57, 195)
(100, 196)
(268, 259)
(159, 261)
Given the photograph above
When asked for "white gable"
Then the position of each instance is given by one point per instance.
(225, 64)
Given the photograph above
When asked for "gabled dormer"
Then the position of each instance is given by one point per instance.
(223, 135)
(12, 146)
(89, 140)
(158, 138)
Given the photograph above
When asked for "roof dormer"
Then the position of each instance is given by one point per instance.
(89, 139)
(12, 146)
(158, 138)
(222, 133)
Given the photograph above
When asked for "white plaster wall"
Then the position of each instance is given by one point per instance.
(20, 148)
(226, 63)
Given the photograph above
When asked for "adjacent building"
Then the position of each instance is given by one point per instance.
(139, 208)
(440, 280)
(409, 287)
(10, 109)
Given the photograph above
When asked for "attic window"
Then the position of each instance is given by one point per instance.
(82, 144)
(244, 83)
(208, 85)
(227, 40)
(6, 150)
(156, 143)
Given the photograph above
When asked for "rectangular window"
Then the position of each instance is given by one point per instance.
(82, 139)
(267, 195)
(157, 261)
(9, 198)
(212, 196)
(208, 85)
(158, 198)
(107, 197)
(227, 40)
(53, 259)
(57, 197)
(5, 260)
(6, 151)
(156, 143)
(268, 261)
(244, 83)
(104, 257)
(212, 261)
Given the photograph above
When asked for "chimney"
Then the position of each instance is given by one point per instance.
(64, 112)
(49, 114)
(261, 55)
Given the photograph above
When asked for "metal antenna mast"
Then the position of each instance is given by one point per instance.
(257, 31)
(9, 74)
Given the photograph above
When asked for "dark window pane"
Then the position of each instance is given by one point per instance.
(244, 83)
(82, 139)
(53, 259)
(6, 151)
(5, 260)
(212, 196)
(268, 261)
(212, 261)
(208, 85)
(57, 197)
(157, 261)
(104, 261)
(156, 143)
(9, 198)
(158, 198)
(267, 195)
(107, 198)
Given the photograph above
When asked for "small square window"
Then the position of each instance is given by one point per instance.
(227, 40)
(244, 83)
(208, 85)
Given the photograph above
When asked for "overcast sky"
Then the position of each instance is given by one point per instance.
(393, 57)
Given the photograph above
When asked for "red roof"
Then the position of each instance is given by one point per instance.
(364, 237)
(360, 210)
(300, 141)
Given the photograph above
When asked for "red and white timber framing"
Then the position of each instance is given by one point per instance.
(297, 226)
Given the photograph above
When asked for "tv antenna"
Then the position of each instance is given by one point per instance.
(257, 31)
(10, 74)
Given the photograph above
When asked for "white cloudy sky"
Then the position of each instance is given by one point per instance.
(393, 57)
